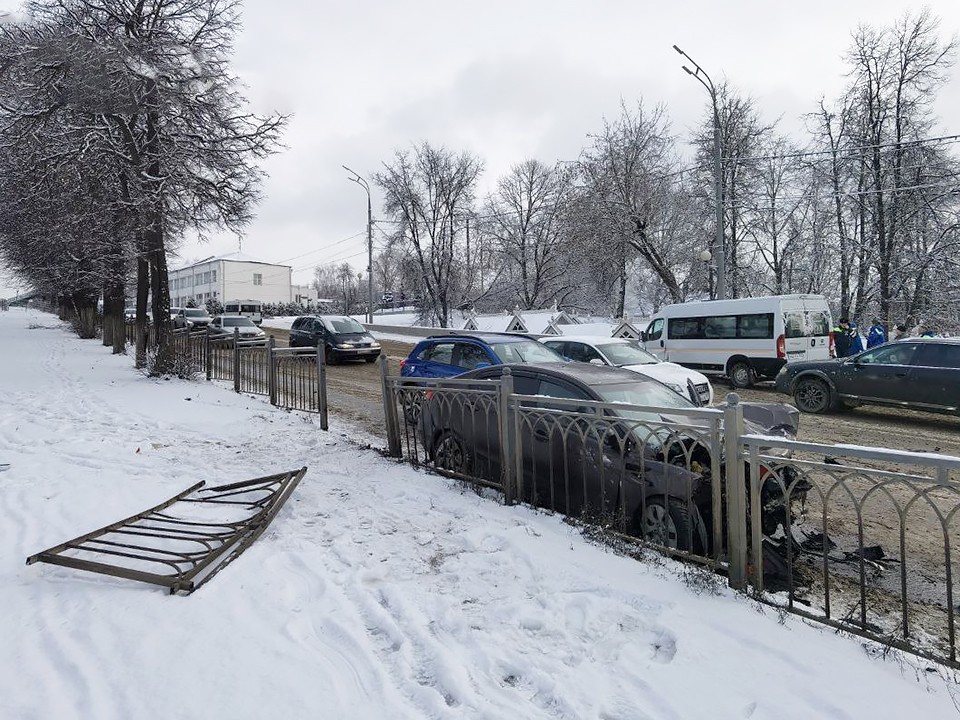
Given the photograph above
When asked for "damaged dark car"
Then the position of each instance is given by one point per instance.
(643, 465)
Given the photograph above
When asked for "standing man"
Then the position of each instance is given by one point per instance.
(841, 338)
(877, 335)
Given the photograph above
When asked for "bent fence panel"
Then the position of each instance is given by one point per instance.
(183, 542)
(874, 550)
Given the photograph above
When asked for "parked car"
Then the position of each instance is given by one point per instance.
(179, 321)
(223, 327)
(442, 356)
(191, 318)
(343, 337)
(571, 470)
(916, 373)
(130, 315)
(744, 339)
(621, 352)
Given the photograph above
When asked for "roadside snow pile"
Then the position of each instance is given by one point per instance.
(378, 591)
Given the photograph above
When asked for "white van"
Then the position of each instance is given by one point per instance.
(744, 339)
(252, 309)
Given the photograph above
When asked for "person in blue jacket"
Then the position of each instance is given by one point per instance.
(877, 335)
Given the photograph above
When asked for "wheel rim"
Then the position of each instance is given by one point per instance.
(411, 407)
(450, 455)
(658, 526)
(741, 375)
(811, 396)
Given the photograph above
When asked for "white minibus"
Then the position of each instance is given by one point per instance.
(252, 309)
(745, 339)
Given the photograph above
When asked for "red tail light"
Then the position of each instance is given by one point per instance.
(402, 363)
(833, 348)
(782, 347)
(429, 394)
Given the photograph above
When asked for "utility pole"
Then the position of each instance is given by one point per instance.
(363, 183)
(720, 251)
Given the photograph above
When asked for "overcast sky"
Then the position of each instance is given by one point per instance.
(506, 80)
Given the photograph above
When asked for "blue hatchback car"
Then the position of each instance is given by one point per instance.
(442, 356)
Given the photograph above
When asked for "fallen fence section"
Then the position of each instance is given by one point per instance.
(186, 540)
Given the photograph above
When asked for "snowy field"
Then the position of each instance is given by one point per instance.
(378, 592)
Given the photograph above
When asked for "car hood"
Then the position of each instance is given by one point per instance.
(813, 365)
(771, 419)
(669, 373)
(352, 337)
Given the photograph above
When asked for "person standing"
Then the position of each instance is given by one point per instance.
(841, 338)
(856, 342)
(877, 335)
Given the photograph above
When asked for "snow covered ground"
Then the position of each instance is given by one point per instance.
(378, 592)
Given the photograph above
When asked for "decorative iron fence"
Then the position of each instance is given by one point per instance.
(858, 538)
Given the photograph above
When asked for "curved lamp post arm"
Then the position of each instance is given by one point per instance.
(358, 179)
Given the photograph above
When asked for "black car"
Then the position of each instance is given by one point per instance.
(574, 463)
(343, 337)
(916, 373)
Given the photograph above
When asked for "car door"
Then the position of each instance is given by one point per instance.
(317, 333)
(879, 375)
(653, 340)
(935, 376)
(295, 332)
(470, 356)
(581, 352)
(436, 361)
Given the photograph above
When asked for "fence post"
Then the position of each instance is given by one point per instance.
(236, 359)
(506, 438)
(322, 384)
(736, 487)
(390, 409)
(271, 370)
(208, 347)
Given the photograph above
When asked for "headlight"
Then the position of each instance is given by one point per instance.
(345, 345)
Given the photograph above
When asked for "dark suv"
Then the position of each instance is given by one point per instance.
(441, 356)
(916, 373)
(343, 337)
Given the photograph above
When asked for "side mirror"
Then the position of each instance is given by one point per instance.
(644, 337)
(597, 361)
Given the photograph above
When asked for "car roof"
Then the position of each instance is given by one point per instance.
(591, 339)
(586, 373)
(486, 337)
(944, 340)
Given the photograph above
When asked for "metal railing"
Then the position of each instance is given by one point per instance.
(874, 551)
(859, 538)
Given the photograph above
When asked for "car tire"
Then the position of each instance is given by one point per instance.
(450, 454)
(740, 374)
(666, 524)
(330, 356)
(411, 400)
(812, 395)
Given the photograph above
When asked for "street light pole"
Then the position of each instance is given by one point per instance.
(363, 183)
(720, 252)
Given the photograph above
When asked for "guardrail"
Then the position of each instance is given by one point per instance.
(861, 539)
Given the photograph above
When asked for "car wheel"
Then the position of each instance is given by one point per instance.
(812, 395)
(411, 399)
(666, 525)
(450, 454)
(330, 356)
(740, 374)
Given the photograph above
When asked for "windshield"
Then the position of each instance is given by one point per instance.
(195, 312)
(648, 393)
(627, 354)
(525, 351)
(345, 325)
(238, 322)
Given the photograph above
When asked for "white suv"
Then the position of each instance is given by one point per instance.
(621, 352)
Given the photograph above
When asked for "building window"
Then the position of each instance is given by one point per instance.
(213, 276)
(257, 279)
(206, 278)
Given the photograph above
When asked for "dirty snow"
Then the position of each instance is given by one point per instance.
(378, 592)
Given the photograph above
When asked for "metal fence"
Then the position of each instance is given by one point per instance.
(859, 538)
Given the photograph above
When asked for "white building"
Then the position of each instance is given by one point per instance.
(231, 277)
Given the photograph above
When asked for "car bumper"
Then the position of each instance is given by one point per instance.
(361, 352)
(782, 383)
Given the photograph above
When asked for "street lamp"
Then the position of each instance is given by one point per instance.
(363, 183)
(704, 79)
